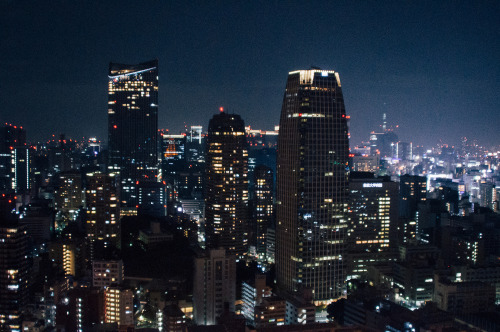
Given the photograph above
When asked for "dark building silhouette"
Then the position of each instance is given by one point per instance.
(133, 125)
(14, 160)
(312, 185)
(174, 320)
(82, 311)
(413, 190)
(152, 199)
(263, 207)
(13, 274)
(226, 198)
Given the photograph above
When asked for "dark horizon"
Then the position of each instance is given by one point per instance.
(432, 67)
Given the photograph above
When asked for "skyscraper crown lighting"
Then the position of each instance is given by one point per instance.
(312, 185)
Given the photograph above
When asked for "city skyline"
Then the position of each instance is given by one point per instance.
(431, 67)
(186, 185)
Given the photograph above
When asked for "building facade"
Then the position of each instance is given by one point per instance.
(13, 275)
(119, 306)
(226, 198)
(214, 286)
(264, 207)
(107, 273)
(133, 125)
(15, 158)
(103, 210)
(373, 217)
(68, 195)
(312, 185)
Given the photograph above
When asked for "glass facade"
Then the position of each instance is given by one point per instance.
(14, 275)
(226, 197)
(373, 216)
(312, 185)
(133, 125)
(264, 183)
(103, 212)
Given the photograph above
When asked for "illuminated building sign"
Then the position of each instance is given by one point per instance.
(373, 185)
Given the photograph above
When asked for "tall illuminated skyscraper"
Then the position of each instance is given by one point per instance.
(264, 206)
(68, 196)
(133, 125)
(103, 212)
(312, 185)
(226, 198)
(373, 220)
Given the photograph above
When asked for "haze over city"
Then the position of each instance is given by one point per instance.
(259, 166)
(431, 66)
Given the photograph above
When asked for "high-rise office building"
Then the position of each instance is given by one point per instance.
(21, 169)
(173, 146)
(373, 217)
(214, 286)
(133, 125)
(404, 151)
(226, 199)
(195, 145)
(152, 199)
(68, 195)
(487, 194)
(103, 211)
(13, 275)
(413, 190)
(312, 185)
(14, 160)
(264, 207)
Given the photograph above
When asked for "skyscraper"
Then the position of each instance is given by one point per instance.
(103, 212)
(373, 220)
(13, 274)
(68, 196)
(312, 185)
(195, 145)
(14, 159)
(133, 125)
(264, 206)
(413, 190)
(226, 199)
(214, 285)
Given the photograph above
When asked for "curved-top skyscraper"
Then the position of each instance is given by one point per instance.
(312, 185)
(133, 125)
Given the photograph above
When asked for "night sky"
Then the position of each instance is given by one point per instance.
(432, 66)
